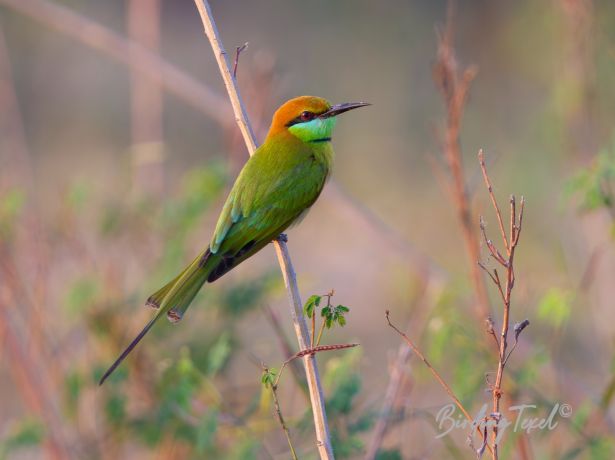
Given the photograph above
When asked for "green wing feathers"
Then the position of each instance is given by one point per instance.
(171, 300)
(275, 187)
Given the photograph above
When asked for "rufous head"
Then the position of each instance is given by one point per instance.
(309, 118)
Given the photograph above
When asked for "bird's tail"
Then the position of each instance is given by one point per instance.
(172, 300)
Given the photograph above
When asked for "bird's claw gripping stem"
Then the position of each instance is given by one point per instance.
(282, 238)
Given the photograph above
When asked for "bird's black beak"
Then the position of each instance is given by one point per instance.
(341, 108)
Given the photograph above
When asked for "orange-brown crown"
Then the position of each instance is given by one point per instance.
(292, 110)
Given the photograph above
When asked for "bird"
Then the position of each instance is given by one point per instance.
(274, 189)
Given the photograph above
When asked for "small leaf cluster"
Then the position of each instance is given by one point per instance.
(334, 315)
(269, 377)
(330, 314)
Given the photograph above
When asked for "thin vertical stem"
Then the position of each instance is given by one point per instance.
(506, 292)
(303, 337)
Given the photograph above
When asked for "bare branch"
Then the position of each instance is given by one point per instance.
(311, 369)
(454, 85)
(483, 167)
(238, 51)
(435, 373)
(491, 331)
(278, 412)
(505, 292)
(287, 350)
(495, 253)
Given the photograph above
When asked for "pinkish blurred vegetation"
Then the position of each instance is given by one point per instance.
(113, 170)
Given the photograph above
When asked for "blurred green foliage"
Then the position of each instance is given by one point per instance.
(555, 307)
(544, 93)
(11, 205)
(594, 185)
(25, 433)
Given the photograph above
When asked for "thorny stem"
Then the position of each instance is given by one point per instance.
(323, 438)
(437, 375)
(310, 352)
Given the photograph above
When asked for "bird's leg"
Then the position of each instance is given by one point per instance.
(282, 238)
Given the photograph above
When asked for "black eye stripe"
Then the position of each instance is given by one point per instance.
(304, 117)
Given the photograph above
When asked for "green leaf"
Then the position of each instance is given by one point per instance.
(269, 376)
(311, 304)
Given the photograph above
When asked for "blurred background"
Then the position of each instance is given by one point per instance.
(117, 149)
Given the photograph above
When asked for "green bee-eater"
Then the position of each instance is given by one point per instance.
(277, 185)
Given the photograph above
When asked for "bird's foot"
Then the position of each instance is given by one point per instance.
(282, 238)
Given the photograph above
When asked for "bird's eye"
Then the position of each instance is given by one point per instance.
(306, 116)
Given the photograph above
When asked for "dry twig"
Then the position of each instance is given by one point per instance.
(238, 51)
(510, 242)
(455, 86)
(285, 345)
(316, 394)
(27, 373)
(274, 384)
(437, 375)
(278, 411)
